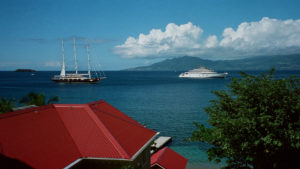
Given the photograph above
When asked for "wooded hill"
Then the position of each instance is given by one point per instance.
(279, 62)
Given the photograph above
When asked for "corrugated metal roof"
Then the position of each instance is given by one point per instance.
(168, 159)
(121, 127)
(54, 136)
(38, 137)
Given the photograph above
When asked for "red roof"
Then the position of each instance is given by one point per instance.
(54, 136)
(167, 158)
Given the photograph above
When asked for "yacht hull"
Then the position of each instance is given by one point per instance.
(202, 73)
(203, 76)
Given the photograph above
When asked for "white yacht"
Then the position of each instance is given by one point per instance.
(202, 72)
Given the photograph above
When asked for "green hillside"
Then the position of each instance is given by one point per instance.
(282, 62)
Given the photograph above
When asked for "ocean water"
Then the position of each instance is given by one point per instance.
(159, 100)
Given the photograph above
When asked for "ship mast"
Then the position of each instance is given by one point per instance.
(75, 57)
(63, 68)
(88, 52)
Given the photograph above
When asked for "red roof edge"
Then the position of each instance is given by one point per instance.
(157, 165)
(96, 102)
(144, 146)
(26, 110)
(132, 158)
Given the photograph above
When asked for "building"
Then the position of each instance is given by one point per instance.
(167, 158)
(93, 135)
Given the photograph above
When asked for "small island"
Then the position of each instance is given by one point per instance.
(25, 70)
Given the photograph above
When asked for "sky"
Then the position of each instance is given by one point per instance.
(130, 33)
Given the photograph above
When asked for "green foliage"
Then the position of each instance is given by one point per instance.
(6, 105)
(255, 123)
(37, 99)
(127, 167)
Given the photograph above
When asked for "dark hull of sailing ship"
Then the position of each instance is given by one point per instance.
(67, 79)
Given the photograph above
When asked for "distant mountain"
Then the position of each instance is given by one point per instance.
(282, 62)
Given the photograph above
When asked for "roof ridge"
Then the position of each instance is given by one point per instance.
(63, 122)
(162, 153)
(112, 115)
(107, 133)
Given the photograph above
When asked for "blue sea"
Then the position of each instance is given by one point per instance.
(159, 100)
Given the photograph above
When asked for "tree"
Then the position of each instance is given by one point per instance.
(37, 99)
(6, 105)
(254, 123)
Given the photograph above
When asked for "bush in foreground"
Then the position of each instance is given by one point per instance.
(255, 123)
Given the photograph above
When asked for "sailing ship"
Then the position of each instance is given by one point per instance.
(75, 77)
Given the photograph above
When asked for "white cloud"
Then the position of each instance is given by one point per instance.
(175, 40)
(212, 41)
(268, 36)
(265, 37)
